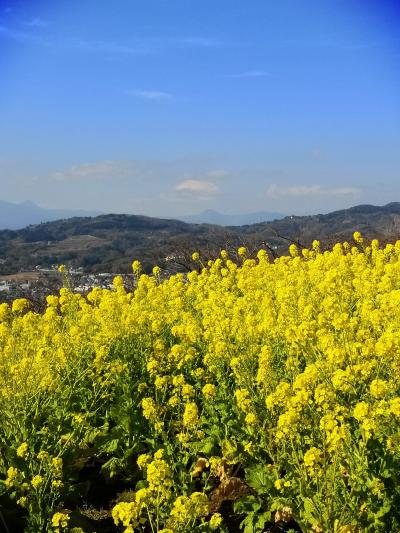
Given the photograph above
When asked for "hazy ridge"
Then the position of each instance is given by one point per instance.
(108, 243)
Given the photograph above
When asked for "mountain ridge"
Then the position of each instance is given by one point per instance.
(20, 215)
(210, 216)
(109, 242)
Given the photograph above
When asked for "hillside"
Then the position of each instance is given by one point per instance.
(381, 222)
(108, 243)
(105, 243)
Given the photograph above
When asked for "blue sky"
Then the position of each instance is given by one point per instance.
(167, 107)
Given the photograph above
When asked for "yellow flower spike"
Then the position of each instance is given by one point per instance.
(262, 256)
(242, 252)
(357, 237)
(37, 481)
(149, 408)
(209, 391)
(379, 388)
(215, 521)
(136, 267)
(60, 521)
(190, 415)
(12, 478)
(143, 460)
(157, 271)
(22, 501)
(22, 450)
(159, 454)
(19, 305)
(251, 419)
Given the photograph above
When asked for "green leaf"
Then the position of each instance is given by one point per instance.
(259, 478)
(262, 519)
(110, 446)
(112, 466)
(310, 514)
(230, 451)
(206, 446)
(246, 505)
(248, 524)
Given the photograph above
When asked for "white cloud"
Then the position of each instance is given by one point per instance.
(145, 172)
(150, 95)
(279, 191)
(199, 188)
(171, 169)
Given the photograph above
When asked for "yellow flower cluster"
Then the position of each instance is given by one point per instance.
(292, 362)
(157, 491)
(59, 522)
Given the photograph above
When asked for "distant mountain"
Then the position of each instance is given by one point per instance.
(109, 243)
(210, 216)
(16, 216)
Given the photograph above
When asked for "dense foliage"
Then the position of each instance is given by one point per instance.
(247, 394)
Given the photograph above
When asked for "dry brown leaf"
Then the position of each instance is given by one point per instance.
(230, 489)
(200, 465)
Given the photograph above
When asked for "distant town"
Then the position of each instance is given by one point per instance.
(37, 284)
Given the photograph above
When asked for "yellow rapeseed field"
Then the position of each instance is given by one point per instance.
(246, 393)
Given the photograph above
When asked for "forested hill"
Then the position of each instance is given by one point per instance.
(108, 243)
(373, 222)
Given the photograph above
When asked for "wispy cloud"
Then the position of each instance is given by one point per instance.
(219, 173)
(11, 34)
(200, 189)
(107, 47)
(19, 36)
(79, 45)
(145, 46)
(118, 170)
(278, 191)
(251, 74)
(333, 42)
(29, 36)
(204, 42)
(149, 95)
(186, 169)
(98, 171)
(37, 23)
